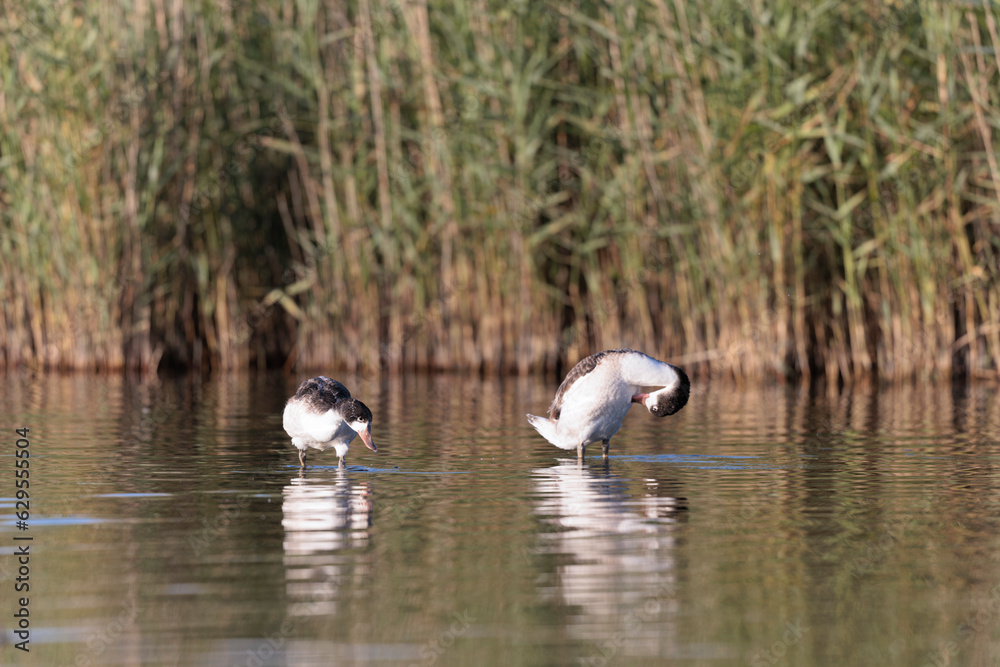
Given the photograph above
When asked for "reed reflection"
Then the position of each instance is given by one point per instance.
(322, 516)
(616, 540)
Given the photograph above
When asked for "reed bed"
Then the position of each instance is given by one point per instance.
(750, 189)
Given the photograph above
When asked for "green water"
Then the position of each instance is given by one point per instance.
(171, 525)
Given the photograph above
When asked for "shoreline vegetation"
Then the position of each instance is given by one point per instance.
(746, 189)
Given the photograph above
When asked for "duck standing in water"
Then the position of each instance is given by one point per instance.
(592, 401)
(322, 415)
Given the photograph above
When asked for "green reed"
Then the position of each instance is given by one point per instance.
(749, 189)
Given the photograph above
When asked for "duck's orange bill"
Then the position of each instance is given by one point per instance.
(366, 435)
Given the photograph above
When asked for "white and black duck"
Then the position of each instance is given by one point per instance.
(322, 415)
(592, 401)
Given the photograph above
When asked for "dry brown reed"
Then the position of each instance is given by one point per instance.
(386, 185)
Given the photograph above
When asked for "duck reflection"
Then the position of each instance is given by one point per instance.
(322, 516)
(615, 548)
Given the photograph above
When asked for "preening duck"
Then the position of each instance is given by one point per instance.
(592, 401)
(322, 415)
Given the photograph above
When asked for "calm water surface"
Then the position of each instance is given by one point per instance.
(171, 525)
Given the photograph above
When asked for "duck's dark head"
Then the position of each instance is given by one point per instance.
(359, 417)
(669, 400)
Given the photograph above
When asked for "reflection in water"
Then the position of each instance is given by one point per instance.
(854, 526)
(322, 518)
(621, 575)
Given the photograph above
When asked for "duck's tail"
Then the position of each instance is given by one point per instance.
(545, 427)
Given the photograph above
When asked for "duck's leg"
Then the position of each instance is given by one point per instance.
(343, 463)
(581, 451)
(606, 445)
(302, 458)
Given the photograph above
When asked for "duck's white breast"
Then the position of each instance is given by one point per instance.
(595, 405)
(300, 422)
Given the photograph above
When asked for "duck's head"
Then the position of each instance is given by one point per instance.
(669, 399)
(359, 417)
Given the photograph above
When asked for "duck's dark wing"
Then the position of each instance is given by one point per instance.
(321, 393)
